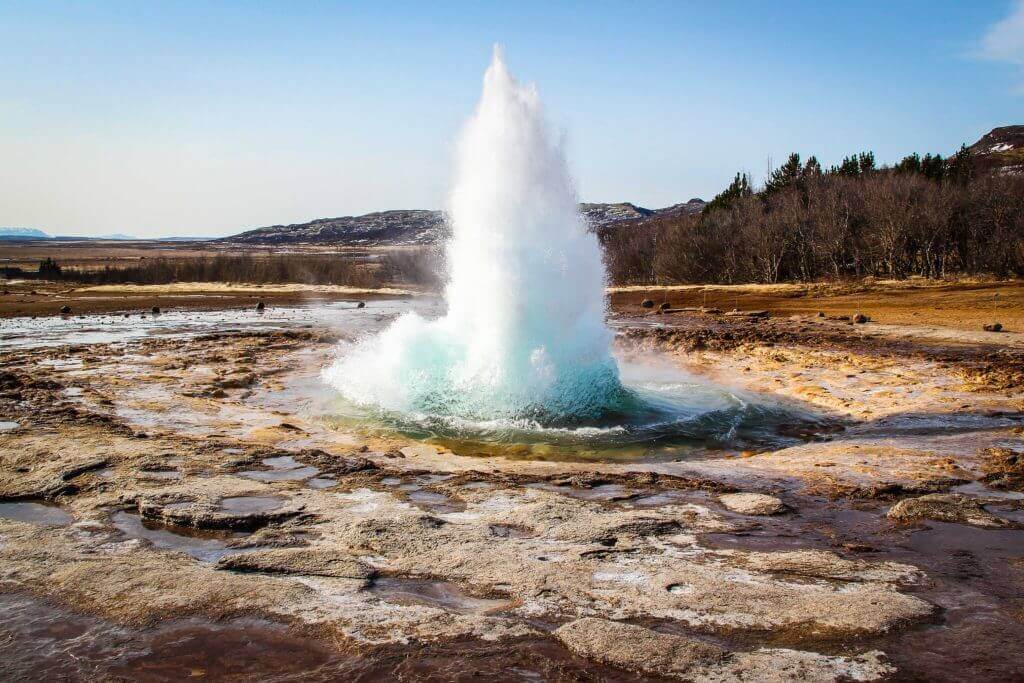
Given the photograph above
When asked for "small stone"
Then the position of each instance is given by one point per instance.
(361, 304)
(860, 318)
(155, 310)
(752, 503)
(665, 306)
(65, 310)
(260, 306)
(647, 303)
(994, 327)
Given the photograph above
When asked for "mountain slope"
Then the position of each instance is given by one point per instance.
(1001, 150)
(391, 228)
(22, 234)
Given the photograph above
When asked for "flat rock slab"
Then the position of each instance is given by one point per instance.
(307, 561)
(752, 503)
(640, 649)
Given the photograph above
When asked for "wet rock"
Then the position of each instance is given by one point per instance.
(238, 380)
(637, 648)
(945, 507)
(1004, 469)
(647, 303)
(305, 561)
(208, 514)
(826, 565)
(752, 503)
(640, 649)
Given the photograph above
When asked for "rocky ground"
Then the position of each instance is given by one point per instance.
(174, 504)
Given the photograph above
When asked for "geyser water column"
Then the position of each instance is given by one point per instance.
(524, 337)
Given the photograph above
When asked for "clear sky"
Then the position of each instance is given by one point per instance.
(205, 118)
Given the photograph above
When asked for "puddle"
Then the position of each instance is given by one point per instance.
(7, 425)
(321, 483)
(280, 475)
(56, 331)
(200, 544)
(40, 514)
(286, 468)
(1011, 513)
(659, 499)
(976, 488)
(41, 641)
(282, 462)
(602, 492)
(434, 502)
(402, 591)
(245, 505)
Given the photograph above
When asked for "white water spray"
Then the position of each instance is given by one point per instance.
(524, 337)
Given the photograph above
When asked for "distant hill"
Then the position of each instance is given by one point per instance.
(22, 234)
(392, 228)
(1001, 150)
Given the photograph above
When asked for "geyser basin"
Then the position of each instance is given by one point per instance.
(665, 414)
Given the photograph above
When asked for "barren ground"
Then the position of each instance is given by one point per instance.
(175, 501)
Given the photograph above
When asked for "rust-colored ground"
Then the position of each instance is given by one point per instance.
(963, 305)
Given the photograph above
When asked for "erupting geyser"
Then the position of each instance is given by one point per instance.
(524, 337)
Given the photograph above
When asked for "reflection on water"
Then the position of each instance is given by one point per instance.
(41, 514)
(53, 331)
(201, 544)
(405, 591)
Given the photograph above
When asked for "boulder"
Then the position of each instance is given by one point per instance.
(752, 503)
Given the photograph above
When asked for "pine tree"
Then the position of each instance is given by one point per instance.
(784, 176)
(865, 162)
(812, 168)
(960, 166)
(738, 188)
(933, 167)
(909, 164)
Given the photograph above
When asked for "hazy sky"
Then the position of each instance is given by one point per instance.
(206, 118)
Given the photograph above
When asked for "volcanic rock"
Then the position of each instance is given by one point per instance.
(752, 503)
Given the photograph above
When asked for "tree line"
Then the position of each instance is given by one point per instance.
(925, 216)
(406, 267)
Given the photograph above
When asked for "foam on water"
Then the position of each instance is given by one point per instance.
(524, 337)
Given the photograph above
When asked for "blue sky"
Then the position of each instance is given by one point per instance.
(207, 118)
